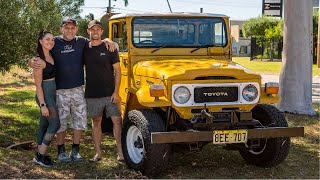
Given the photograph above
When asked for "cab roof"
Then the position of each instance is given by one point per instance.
(175, 14)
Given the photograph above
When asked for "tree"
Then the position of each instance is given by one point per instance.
(256, 27)
(296, 71)
(275, 31)
(272, 34)
(83, 25)
(264, 29)
(21, 20)
(70, 8)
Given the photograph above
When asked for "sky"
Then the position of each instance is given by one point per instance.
(235, 9)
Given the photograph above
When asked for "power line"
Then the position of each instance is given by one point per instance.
(169, 5)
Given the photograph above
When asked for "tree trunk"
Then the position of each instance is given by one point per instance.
(296, 71)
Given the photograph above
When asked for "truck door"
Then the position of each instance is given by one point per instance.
(119, 35)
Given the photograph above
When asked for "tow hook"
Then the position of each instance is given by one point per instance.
(205, 115)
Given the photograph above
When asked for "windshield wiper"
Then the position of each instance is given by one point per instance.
(199, 47)
(163, 46)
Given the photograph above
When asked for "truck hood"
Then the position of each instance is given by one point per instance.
(191, 69)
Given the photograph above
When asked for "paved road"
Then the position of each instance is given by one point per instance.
(315, 84)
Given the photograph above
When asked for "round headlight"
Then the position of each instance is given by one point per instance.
(181, 95)
(250, 92)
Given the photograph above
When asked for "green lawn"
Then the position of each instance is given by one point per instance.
(19, 122)
(267, 67)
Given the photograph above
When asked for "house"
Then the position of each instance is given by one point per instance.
(241, 46)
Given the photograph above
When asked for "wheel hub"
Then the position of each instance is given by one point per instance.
(135, 144)
(138, 143)
(258, 149)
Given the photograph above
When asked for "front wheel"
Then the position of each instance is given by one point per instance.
(139, 153)
(273, 151)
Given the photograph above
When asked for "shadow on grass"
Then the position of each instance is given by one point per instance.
(16, 131)
(18, 164)
(215, 163)
(17, 84)
(212, 162)
(17, 96)
(302, 120)
(19, 120)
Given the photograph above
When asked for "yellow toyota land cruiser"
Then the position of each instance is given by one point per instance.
(179, 86)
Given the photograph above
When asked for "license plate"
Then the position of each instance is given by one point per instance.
(230, 136)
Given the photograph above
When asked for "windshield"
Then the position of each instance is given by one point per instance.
(179, 32)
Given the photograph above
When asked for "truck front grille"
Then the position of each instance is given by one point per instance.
(216, 94)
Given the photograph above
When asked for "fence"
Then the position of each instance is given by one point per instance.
(266, 49)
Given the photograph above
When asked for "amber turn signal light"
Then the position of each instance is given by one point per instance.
(156, 90)
(272, 87)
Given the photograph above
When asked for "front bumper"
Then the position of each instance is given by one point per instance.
(196, 136)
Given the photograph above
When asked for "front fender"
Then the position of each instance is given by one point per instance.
(144, 98)
(268, 99)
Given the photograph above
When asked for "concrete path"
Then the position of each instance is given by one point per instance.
(315, 84)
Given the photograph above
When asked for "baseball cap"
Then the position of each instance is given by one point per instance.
(68, 21)
(93, 23)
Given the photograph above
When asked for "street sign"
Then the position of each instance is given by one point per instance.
(272, 8)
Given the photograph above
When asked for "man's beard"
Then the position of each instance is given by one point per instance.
(93, 37)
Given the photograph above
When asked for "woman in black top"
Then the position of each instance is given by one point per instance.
(46, 98)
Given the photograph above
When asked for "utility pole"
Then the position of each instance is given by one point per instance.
(168, 5)
(109, 7)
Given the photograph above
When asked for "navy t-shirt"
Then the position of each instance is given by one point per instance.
(68, 58)
(99, 71)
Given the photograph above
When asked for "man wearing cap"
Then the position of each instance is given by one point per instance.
(102, 87)
(68, 56)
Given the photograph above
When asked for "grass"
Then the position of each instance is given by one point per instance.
(267, 67)
(19, 122)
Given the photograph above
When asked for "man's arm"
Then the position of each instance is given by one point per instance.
(36, 63)
(110, 45)
(115, 98)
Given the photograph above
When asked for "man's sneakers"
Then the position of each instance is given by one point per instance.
(43, 160)
(75, 156)
(64, 157)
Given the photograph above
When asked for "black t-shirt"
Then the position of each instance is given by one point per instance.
(68, 60)
(99, 71)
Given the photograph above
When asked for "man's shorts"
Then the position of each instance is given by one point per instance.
(97, 105)
(72, 102)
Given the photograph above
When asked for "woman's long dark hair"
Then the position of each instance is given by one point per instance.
(41, 34)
